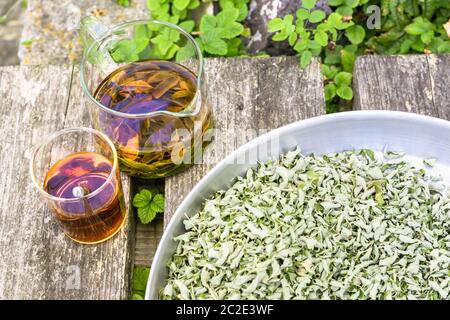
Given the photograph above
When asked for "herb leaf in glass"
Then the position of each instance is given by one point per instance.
(76, 171)
(144, 82)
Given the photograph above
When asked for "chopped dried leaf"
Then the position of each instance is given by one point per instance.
(339, 226)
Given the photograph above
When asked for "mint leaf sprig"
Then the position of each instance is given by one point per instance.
(148, 205)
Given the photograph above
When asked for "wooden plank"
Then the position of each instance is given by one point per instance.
(413, 83)
(249, 97)
(38, 261)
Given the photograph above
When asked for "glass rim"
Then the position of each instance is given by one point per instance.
(57, 134)
(153, 113)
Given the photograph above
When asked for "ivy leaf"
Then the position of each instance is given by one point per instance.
(181, 4)
(321, 38)
(343, 79)
(308, 4)
(330, 91)
(345, 92)
(305, 59)
(355, 34)
(317, 16)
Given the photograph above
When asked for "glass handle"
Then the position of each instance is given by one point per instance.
(92, 30)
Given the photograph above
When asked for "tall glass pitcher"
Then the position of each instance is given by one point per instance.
(146, 92)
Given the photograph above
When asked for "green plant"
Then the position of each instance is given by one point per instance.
(140, 277)
(405, 26)
(216, 35)
(124, 3)
(148, 205)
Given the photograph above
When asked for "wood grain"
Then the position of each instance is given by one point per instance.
(249, 97)
(413, 83)
(38, 261)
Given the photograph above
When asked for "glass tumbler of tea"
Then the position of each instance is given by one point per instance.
(146, 91)
(76, 171)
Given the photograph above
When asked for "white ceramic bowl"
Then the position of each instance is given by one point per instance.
(421, 137)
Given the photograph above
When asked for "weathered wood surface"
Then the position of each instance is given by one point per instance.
(37, 260)
(249, 97)
(414, 83)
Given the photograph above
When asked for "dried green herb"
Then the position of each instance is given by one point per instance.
(340, 226)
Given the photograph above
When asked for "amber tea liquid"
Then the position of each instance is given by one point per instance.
(152, 146)
(90, 219)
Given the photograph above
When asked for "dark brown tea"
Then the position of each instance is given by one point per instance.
(153, 145)
(92, 215)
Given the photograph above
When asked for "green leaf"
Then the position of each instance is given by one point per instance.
(141, 32)
(351, 3)
(208, 23)
(315, 48)
(348, 59)
(185, 53)
(137, 296)
(305, 59)
(317, 16)
(213, 44)
(419, 26)
(321, 38)
(345, 92)
(181, 4)
(157, 203)
(234, 29)
(302, 14)
(355, 34)
(345, 11)
(142, 199)
(275, 25)
(333, 56)
(281, 36)
(124, 3)
(194, 4)
(225, 17)
(343, 78)
(335, 3)
(140, 277)
(302, 44)
(330, 91)
(146, 214)
(187, 25)
(427, 37)
(292, 38)
(308, 4)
